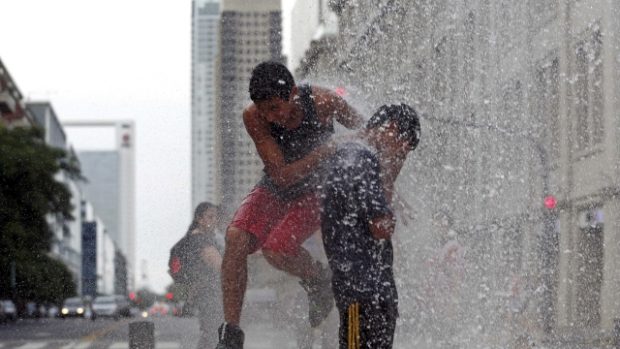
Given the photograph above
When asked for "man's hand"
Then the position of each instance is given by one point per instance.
(382, 227)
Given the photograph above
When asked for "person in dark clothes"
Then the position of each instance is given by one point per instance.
(203, 260)
(291, 127)
(357, 223)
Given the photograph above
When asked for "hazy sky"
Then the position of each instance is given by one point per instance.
(117, 59)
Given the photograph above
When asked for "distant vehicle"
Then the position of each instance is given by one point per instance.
(111, 306)
(53, 311)
(34, 310)
(73, 307)
(8, 311)
(159, 309)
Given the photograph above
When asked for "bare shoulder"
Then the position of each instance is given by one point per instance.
(250, 112)
(325, 101)
(255, 125)
(251, 117)
(322, 94)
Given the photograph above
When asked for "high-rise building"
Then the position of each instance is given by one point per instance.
(251, 32)
(111, 186)
(205, 163)
(66, 243)
(100, 275)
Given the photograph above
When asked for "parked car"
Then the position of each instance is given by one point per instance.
(8, 311)
(53, 311)
(111, 306)
(74, 307)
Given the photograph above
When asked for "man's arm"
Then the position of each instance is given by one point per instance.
(211, 257)
(382, 227)
(330, 105)
(375, 195)
(283, 174)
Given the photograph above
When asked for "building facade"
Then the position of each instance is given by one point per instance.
(205, 131)
(250, 34)
(517, 102)
(12, 109)
(110, 186)
(312, 23)
(103, 271)
(67, 234)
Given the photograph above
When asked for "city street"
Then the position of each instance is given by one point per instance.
(170, 333)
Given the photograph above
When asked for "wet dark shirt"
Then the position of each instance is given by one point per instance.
(297, 143)
(352, 196)
(205, 277)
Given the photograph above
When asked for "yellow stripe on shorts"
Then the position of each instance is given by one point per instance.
(354, 326)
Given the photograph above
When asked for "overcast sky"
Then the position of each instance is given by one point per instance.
(117, 59)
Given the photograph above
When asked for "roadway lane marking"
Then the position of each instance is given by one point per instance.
(77, 345)
(32, 345)
(69, 345)
(83, 345)
(98, 334)
(158, 345)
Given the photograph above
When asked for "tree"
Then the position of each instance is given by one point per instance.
(29, 194)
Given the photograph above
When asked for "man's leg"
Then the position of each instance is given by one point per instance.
(376, 324)
(283, 246)
(234, 282)
(300, 264)
(283, 250)
(235, 273)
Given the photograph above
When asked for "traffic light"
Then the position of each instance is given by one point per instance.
(550, 202)
(132, 296)
(169, 296)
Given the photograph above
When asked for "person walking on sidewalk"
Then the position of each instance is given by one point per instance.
(195, 263)
(357, 223)
(291, 127)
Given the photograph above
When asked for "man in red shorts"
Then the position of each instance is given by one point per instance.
(291, 127)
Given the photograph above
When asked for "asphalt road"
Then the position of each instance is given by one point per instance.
(170, 333)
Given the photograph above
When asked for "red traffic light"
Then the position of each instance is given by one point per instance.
(169, 296)
(132, 296)
(550, 202)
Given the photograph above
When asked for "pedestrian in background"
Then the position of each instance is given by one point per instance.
(195, 263)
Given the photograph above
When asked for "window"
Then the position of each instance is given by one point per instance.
(440, 65)
(542, 11)
(547, 104)
(588, 92)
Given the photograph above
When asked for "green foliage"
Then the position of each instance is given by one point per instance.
(29, 194)
(43, 279)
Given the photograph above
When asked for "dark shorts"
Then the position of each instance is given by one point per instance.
(278, 225)
(367, 324)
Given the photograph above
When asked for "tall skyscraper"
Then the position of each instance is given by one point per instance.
(251, 32)
(205, 134)
(111, 187)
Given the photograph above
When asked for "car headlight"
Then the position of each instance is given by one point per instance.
(65, 311)
(80, 310)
